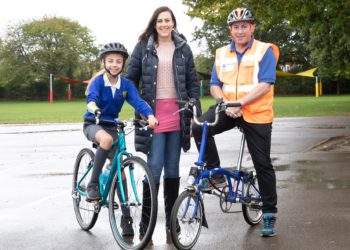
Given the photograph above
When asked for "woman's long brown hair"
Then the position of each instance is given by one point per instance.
(151, 27)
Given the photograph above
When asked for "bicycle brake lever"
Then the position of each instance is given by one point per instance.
(190, 110)
(178, 111)
(143, 129)
(222, 108)
(128, 131)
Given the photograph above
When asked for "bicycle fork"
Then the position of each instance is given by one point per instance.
(123, 187)
(199, 200)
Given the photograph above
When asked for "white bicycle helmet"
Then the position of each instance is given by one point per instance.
(240, 14)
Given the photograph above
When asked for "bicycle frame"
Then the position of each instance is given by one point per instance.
(120, 151)
(237, 175)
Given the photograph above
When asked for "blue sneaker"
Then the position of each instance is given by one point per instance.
(269, 225)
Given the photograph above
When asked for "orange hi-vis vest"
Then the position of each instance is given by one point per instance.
(240, 80)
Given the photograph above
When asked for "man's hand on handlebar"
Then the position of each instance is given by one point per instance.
(232, 109)
(234, 112)
(152, 121)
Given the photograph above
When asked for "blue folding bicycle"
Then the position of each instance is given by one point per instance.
(188, 214)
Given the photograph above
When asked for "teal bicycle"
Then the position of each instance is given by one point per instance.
(126, 184)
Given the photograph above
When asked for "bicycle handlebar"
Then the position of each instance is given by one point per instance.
(96, 120)
(138, 123)
(182, 102)
(220, 106)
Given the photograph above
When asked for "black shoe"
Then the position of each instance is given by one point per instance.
(93, 192)
(126, 225)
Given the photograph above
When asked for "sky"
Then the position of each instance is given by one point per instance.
(108, 20)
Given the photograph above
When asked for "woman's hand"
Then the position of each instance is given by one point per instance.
(152, 121)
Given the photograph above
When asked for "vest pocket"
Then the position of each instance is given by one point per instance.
(246, 71)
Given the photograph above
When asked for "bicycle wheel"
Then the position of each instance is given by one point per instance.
(252, 207)
(85, 212)
(185, 228)
(126, 222)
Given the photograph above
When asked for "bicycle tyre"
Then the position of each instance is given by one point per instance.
(85, 212)
(141, 172)
(252, 211)
(182, 226)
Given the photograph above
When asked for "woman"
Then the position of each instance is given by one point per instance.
(162, 62)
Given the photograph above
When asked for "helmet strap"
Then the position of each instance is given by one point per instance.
(109, 72)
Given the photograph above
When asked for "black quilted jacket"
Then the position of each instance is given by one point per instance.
(142, 70)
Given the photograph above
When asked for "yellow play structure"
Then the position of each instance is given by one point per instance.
(307, 73)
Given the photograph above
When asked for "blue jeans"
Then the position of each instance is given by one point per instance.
(165, 153)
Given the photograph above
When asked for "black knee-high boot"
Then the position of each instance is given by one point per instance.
(171, 192)
(146, 207)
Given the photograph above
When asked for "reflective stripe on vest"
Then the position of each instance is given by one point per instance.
(240, 80)
(242, 88)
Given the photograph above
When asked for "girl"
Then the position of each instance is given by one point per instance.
(106, 94)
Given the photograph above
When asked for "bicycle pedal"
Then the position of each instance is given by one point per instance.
(97, 208)
(216, 193)
(75, 195)
(115, 205)
(93, 201)
(255, 207)
(207, 191)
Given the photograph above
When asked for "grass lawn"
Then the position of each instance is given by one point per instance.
(63, 111)
(312, 106)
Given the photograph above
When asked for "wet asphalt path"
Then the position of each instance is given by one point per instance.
(313, 186)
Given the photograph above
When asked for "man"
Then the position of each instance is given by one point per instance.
(244, 72)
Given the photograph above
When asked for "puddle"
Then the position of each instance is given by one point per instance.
(308, 162)
(282, 186)
(273, 159)
(282, 167)
(333, 144)
(317, 179)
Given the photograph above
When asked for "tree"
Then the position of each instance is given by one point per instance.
(204, 65)
(32, 50)
(2, 90)
(308, 33)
